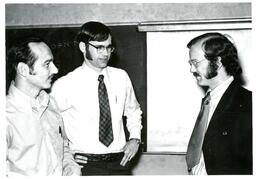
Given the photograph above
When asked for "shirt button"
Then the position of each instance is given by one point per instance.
(34, 108)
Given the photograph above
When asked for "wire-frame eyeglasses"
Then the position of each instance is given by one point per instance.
(101, 48)
(195, 63)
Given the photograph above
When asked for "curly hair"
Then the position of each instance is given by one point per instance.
(217, 45)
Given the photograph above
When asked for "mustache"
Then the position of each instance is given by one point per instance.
(51, 77)
(196, 74)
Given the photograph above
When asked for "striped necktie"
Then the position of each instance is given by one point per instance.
(105, 125)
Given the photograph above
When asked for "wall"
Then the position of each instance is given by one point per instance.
(161, 164)
(61, 14)
(35, 15)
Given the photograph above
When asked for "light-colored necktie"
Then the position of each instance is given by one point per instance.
(196, 140)
(105, 125)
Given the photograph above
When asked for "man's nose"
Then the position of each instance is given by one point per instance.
(54, 69)
(105, 52)
(192, 69)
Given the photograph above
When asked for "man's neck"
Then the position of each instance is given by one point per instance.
(27, 88)
(98, 70)
(218, 80)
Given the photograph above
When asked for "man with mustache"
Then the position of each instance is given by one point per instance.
(221, 142)
(36, 141)
(93, 100)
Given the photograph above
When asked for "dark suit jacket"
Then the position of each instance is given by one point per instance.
(227, 146)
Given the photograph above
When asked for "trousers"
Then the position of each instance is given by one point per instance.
(95, 167)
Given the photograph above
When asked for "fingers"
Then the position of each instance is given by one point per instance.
(80, 159)
(125, 159)
(128, 155)
(72, 171)
(67, 172)
(130, 149)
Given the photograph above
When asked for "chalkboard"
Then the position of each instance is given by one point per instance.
(130, 55)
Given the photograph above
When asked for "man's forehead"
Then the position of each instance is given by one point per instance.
(38, 46)
(196, 50)
(108, 40)
(41, 51)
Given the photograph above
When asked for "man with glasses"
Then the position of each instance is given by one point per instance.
(93, 100)
(221, 141)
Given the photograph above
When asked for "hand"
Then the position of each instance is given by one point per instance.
(72, 171)
(130, 149)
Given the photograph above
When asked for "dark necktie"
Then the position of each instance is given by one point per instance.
(196, 140)
(105, 126)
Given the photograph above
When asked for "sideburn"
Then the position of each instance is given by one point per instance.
(88, 54)
(212, 70)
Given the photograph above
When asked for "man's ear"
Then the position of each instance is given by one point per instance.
(82, 46)
(22, 69)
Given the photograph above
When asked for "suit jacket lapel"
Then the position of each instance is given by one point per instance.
(225, 101)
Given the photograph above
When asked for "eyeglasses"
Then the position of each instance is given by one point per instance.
(101, 48)
(195, 63)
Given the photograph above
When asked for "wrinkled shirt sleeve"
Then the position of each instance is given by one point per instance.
(132, 111)
(70, 167)
(69, 164)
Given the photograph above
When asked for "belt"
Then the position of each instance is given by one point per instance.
(102, 157)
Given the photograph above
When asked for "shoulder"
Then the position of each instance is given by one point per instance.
(11, 105)
(244, 96)
(16, 111)
(239, 97)
(119, 75)
(245, 91)
(71, 74)
(68, 78)
(11, 109)
(118, 72)
(241, 92)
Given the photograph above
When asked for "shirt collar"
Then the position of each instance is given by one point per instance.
(92, 72)
(23, 100)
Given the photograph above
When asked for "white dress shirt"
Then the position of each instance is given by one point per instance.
(216, 95)
(35, 144)
(77, 97)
